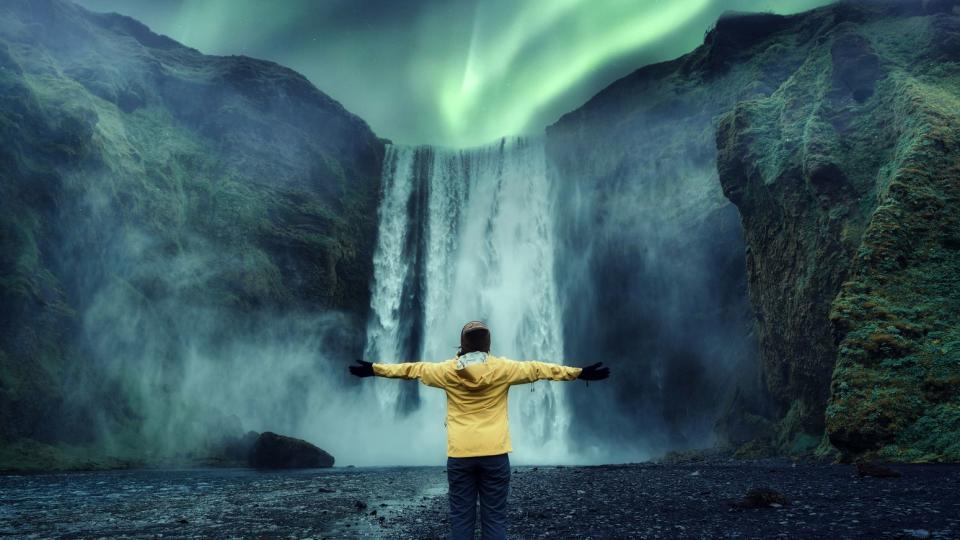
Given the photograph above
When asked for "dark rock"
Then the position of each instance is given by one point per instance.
(741, 421)
(866, 468)
(761, 497)
(272, 451)
(845, 234)
(734, 34)
(856, 67)
(272, 184)
(238, 448)
(636, 173)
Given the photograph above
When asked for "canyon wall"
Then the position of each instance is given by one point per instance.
(834, 135)
(846, 179)
(155, 202)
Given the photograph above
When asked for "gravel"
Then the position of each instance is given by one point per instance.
(714, 500)
(711, 499)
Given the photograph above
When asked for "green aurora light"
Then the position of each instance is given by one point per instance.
(454, 73)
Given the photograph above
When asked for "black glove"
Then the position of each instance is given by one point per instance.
(365, 369)
(594, 372)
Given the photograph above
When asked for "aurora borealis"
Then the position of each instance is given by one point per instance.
(453, 73)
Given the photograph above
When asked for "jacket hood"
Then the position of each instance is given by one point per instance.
(475, 337)
(474, 370)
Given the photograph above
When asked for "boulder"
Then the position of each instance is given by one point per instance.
(238, 448)
(272, 451)
(866, 468)
(761, 497)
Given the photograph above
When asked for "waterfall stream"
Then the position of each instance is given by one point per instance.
(466, 235)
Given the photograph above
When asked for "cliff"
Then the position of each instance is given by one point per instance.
(847, 181)
(762, 236)
(651, 269)
(833, 132)
(150, 194)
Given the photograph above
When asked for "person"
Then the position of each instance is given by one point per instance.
(478, 437)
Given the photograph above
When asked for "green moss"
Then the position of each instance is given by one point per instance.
(935, 436)
(893, 388)
(825, 451)
(9, 382)
(756, 449)
(790, 437)
(25, 455)
(803, 444)
(191, 195)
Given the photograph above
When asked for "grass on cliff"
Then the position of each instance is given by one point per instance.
(894, 387)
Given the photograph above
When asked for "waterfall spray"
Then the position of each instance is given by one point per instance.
(464, 235)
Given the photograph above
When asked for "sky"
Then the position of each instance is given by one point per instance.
(454, 73)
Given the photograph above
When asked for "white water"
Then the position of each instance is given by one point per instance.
(487, 253)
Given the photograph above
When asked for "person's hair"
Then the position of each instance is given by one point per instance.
(475, 336)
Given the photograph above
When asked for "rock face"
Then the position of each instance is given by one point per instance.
(834, 133)
(652, 269)
(272, 451)
(846, 178)
(155, 201)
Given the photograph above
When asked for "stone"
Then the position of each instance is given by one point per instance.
(272, 451)
(875, 470)
(761, 497)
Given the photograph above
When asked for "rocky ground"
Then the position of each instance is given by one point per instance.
(216, 503)
(678, 500)
(702, 500)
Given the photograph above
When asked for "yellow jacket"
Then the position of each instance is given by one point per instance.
(477, 397)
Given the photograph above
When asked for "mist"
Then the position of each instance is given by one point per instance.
(216, 230)
(465, 235)
(223, 239)
(655, 286)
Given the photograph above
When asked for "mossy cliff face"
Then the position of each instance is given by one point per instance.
(833, 135)
(846, 178)
(149, 192)
(651, 262)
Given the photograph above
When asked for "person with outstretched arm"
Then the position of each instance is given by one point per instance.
(478, 438)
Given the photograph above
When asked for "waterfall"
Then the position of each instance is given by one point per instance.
(466, 235)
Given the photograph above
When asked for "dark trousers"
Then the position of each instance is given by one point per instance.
(488, 477)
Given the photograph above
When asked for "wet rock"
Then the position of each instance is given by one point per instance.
(875, 470)
(238, 448)
(844, 216)
(856, 67)
(639, 501)
(305, 171)
(272, 451)
(761, 497)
